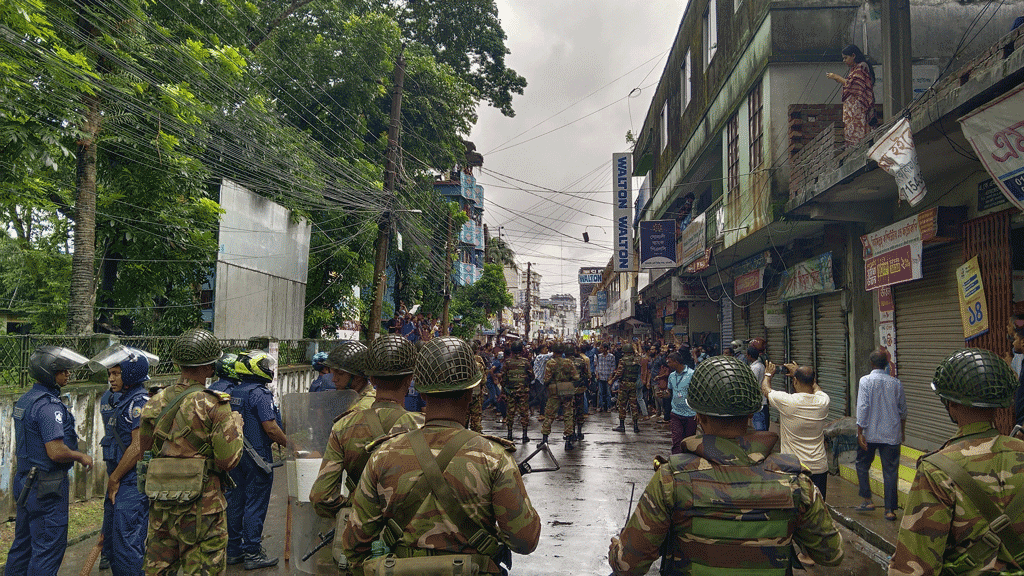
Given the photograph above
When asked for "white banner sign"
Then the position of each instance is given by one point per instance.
(622, 212)
(895, 153)
(692, 246)
(996, 132)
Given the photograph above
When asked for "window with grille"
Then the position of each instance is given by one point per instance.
(733, 159)
(710, 32)
(755, 109)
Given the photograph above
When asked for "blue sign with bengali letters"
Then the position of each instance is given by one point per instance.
(658, 244)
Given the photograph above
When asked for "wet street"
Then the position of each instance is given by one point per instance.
(582, 505)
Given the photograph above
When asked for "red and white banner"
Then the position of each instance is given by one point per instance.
(895, 153)
(996, 132)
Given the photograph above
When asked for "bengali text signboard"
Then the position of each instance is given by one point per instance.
(893, 267)
(658, 244)
(808, 278)
(996, 132)
(749, 282)
(895, 153)
(893, 254)
(886, 307)
(693, 241)
(973, 308)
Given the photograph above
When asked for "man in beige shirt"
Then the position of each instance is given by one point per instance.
(802, 418)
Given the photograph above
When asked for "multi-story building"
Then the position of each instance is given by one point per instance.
(743, 147)
(461, 187)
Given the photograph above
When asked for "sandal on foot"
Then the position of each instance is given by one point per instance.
(890, 516)
(865, 508)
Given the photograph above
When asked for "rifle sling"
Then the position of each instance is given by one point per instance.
(159, 430)
(1000, 523)
(378, 428)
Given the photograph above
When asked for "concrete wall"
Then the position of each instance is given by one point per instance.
(84, 402)
(250, 302)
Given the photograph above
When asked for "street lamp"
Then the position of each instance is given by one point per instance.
(586, 237)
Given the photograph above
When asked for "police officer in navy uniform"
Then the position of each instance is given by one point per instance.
(248, 502)
(324, 380)
(46, 448)
(128, 370)
(107, 403)
(224, 369)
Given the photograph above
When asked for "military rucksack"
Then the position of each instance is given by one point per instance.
(630, 369)
(515, 372)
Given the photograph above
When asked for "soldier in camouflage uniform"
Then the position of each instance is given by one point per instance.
(347, 364)
(560, 376)
(724, 504)
(476, 405)
(627, 374)
(192, 537)
(418, 519)
(516, 374)
(964, 511)
(583, 367)
(389, 363)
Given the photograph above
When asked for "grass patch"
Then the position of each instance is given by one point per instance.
(83, 518)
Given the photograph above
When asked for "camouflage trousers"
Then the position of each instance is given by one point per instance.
(581, 415)
(518, 402)
(184, 541)
(628, 395)
(476, 410)
(551, 412)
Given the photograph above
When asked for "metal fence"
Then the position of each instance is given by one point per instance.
(16, 349)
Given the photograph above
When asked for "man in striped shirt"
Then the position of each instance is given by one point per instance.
(881, 423)
(606, 364)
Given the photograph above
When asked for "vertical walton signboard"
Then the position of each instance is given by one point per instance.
(622, 171)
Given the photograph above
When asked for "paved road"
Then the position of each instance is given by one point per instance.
(582, 505)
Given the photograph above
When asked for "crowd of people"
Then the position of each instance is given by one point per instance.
(190, 467)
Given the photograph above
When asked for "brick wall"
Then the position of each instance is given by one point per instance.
(815, 141)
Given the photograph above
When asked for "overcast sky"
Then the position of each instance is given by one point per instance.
(581, 60)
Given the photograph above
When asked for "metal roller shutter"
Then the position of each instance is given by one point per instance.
(831, 351)
(801, 331)
(755, 314)
(727, 333)
(927, 330)
(739, 320)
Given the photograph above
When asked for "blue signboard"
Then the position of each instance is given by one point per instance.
(658, 244)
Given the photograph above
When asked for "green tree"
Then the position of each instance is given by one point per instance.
(500, 253)
(478, 301)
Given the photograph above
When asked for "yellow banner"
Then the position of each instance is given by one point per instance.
(973, 308)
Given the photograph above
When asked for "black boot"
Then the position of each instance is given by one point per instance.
(621, 427)
(260, 560)
(579, 432)
(544, 440)
(525, 437)
(568, 443)
(636, 427)
(509, 437)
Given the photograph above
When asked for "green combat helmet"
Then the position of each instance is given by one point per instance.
(196, 347)
(390, 356)
(446, 364)
(627, 348)
(724, 386)
(975, 377)
(349, 357)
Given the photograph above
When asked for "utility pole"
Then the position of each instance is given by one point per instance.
(526, 312)
(384, 224)
(445, 323)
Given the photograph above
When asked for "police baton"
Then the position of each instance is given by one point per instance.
(30, 479)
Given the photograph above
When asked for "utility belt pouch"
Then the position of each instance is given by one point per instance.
(141, 468)
(441, 565)
(48, 483)
(176, 479)
(337, 551)
(565, 388)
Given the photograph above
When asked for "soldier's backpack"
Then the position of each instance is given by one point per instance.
(172, 479)
(432, 480)
(630, 369)
(999, 534)
(515, 373)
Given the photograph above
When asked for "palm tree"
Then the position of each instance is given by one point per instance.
(499, 252)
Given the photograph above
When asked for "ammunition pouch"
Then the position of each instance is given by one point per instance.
(176, 479)
(427, 565)
(47, 484)
(337, 550)
(562, 388)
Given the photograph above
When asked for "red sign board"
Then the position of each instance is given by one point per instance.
(749, 282)
(702, 263)
(890, 268)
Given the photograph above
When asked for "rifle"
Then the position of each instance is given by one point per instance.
(325, 539)
(525, 468)
(267, 468)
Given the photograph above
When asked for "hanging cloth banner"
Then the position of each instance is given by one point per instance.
(996, 132)
(895, 153)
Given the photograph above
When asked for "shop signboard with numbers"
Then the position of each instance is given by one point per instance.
(973, 308)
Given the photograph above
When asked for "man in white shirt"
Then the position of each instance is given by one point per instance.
(760, 420)
(802, 417)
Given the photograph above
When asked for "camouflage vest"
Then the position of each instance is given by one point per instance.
(563, 370)
(630, 369)
(582, 366)
(515, 372)
(730, 507)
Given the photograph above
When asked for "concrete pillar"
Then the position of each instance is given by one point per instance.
(862, 312)
(896, 69)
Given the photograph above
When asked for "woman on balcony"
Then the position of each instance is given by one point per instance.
(858, 95)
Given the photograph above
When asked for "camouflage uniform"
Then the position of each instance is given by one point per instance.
(725, 506)
(583, 367)
(366, 398)
(476, 405)
(626, 374)
(192, 538)
(482, 473)
(940, 522)
(517, 375)
(559, 370)
(347, 451)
